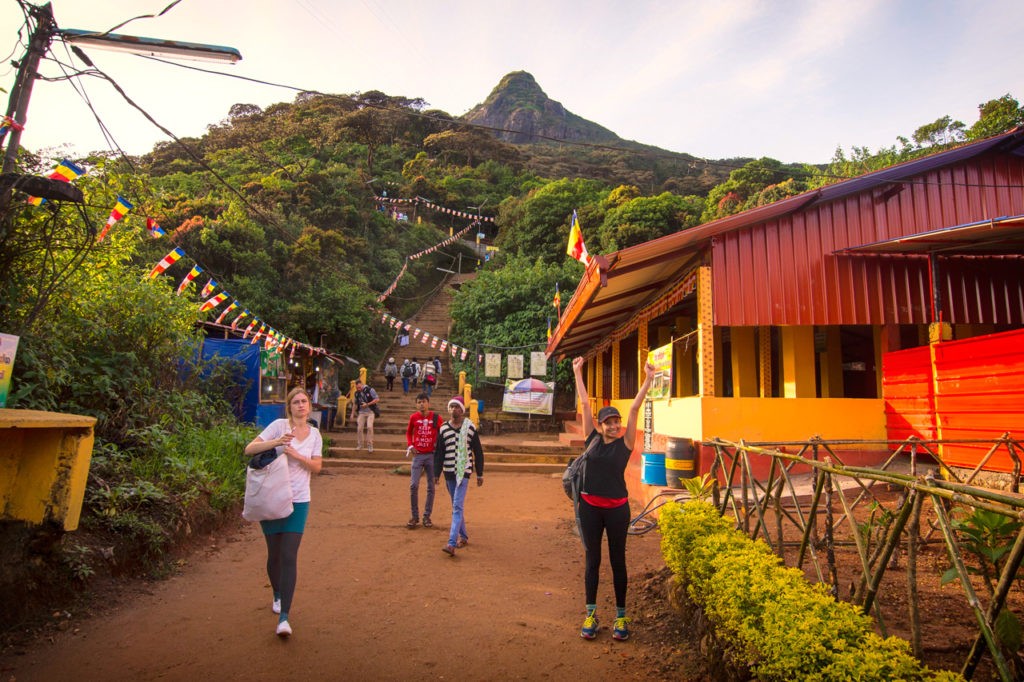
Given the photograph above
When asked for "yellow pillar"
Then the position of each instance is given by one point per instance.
(831, 362)
(362, 374)
(615, 370)
(705, 333)
(743, 349)
(798, 362)
(471, 406)
(642, 348)
(682, 358)
(462, 381)
(764, 358)
(598, 385)
(938, 332)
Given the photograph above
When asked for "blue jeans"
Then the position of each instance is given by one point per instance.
(405, 384)
(421, 463)
(458, 495)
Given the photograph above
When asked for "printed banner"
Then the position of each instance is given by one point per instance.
(8, 349)
(528, 396)
(515, 367)
(661, 385)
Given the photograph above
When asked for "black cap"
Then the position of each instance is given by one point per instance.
(606, 412)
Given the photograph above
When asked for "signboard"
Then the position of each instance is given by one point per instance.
(648, 425)
(515, 367)
(8, 349)
(538, 363)
(492, 364)
(661, 385)
(528, 396)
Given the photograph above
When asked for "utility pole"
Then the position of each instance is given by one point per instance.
(17, 105)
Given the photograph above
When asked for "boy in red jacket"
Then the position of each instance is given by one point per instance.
(421, 436)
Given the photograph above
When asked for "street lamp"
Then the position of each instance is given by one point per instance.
(39, 44)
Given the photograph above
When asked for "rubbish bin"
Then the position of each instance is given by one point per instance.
(680, 461)
(653, 468)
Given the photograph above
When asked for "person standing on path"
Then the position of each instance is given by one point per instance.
(456, 439)
(604, 499)
(390, 372)
(302, 445)
(365, 404)
(421, 437)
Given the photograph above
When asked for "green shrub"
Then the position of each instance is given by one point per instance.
(767, 615)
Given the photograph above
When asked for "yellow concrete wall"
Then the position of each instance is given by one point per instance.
(44, 465)
(769, 419)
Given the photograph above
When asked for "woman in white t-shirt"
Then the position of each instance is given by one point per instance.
(301, 443)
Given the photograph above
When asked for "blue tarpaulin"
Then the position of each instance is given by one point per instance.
(247, 355)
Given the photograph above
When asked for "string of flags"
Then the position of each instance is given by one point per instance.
(405, 266)
(272, 339)
(425, 337)
(67, 171)
(430, 204)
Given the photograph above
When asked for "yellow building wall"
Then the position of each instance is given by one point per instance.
(769, 419)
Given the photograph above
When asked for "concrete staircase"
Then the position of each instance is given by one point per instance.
(516, 452)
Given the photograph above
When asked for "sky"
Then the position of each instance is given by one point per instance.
(788, 79)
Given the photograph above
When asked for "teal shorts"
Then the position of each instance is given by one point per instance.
(293, 523)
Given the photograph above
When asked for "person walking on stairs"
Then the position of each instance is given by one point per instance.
(421, 437)
(365, 405)
(407, 374)
(390, 372)
(456, 439)
(604, 499)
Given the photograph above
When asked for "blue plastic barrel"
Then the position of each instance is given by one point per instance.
(653, 468)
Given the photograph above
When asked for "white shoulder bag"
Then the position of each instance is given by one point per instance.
(268, 491)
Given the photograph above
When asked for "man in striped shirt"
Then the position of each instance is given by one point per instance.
(456, 439)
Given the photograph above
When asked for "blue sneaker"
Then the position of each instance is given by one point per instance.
(620, 630)
(590, 626)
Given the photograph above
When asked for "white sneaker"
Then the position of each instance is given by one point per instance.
(369, 449)
(284, 629)
(276, 606)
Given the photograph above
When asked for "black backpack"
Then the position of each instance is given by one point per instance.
(408, 371)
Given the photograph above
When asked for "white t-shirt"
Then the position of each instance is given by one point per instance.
(310, 447)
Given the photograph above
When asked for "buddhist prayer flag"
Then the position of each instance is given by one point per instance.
(465, 351)
(212, 303)
(192, 274)
(120, 209)
(226, 311)
(211, 284)
(444, 344)
(549, 329)
(7, 123)
(249, 328)
(154, 229)
(166, 262)
(557, 302)
(576, 248)
(64, 172)
(234, 324)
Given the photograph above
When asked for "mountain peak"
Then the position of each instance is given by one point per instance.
(524, 114)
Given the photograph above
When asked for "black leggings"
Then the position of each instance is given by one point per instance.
(282, 565)
(594, 521)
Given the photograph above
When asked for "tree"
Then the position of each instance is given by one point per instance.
(941, 132)
(996, 116)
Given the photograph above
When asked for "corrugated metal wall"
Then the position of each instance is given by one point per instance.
(979, 395)
(782, 272)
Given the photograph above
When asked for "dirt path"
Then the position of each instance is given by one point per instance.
(376, 601)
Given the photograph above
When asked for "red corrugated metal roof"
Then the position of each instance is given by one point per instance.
(803, 291)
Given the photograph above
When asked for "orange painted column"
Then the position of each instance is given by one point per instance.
(764, 351)
(743, 349)
(798, 376)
